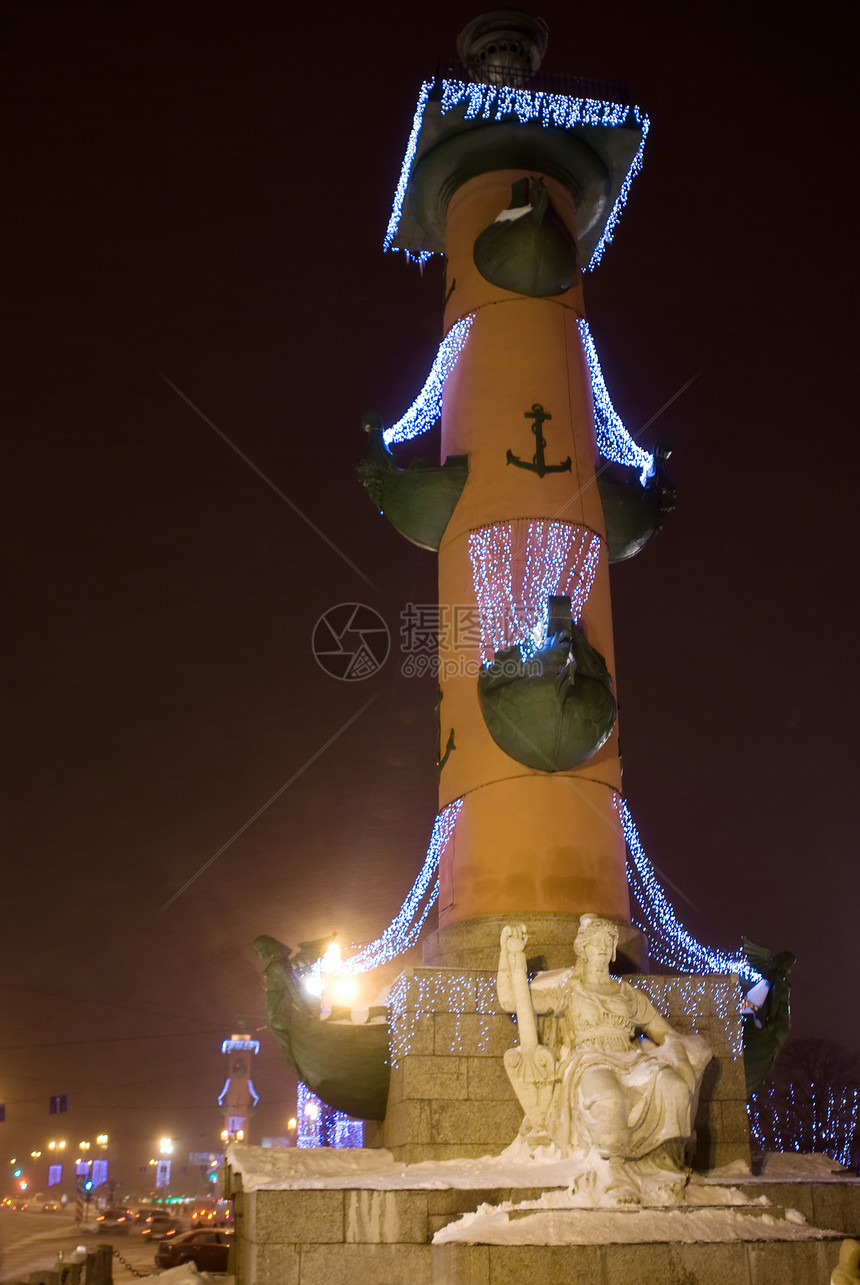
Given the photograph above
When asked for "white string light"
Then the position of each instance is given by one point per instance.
(405, 928)
(405, 171)
(316, 1125)
(319, 1125)
(555, 111)
(469, 999)
(699, 997)
(669, 943)
(516, 566)
(807, 1118)
(238, 1043)
(613, 440)
(427, 407)
(552, 111)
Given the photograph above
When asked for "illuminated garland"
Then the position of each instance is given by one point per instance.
(319, 1125)
(807, 1118)
(427, 407)
(699, 997)
(405, 928)
(516, 566)
(613, 440)
(469, 999)
(405, 171)
(253, 1092)
(553, 111)
(669, 942)
(248, 1045)
(499, 102)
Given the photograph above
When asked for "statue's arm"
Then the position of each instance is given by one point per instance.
(513, 944)
(688, 1053)
(505, 981)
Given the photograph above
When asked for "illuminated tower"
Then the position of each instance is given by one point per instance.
(238, 1097)
(519, 183)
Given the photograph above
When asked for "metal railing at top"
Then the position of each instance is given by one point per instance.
(604, 91)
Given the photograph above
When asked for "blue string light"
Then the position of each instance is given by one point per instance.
(405, 171)
(308, 1117)
(469, 999)
(237, 1043)
(427, 407)
(698, 998)
(807, 1118)
(516, 566)
(500, 102)
(669, 942)
(613, 440)
(319, 1125)
(404, 930)
(316, 1124)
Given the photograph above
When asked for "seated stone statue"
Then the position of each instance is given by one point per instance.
(609, 1074)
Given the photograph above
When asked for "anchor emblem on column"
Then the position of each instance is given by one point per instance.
(538, 464)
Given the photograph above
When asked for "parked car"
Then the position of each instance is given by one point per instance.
(158, 1223)
(207, 1250)
(114, 1219)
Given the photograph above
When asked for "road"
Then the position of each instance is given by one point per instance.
(31, 1239)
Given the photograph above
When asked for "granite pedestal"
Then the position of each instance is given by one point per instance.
(325, 1230)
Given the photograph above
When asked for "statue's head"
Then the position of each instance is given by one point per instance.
(597, 931)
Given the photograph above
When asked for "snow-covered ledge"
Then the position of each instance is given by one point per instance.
(306, 1216)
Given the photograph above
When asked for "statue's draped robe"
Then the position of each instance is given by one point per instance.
(588, 1030)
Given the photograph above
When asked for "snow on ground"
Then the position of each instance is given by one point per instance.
(187, 1274)
(788, 1165)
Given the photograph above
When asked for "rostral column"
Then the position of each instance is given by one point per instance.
(516, 185)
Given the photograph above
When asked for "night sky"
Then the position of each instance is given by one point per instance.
(200, 193)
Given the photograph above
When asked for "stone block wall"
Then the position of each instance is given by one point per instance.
(450, 1096)
(302, 1236)
(805, 1263)
(307, 1236)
